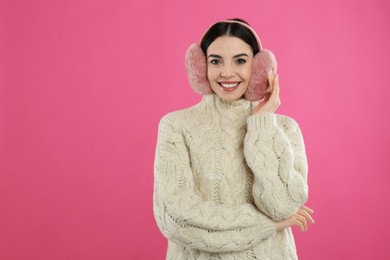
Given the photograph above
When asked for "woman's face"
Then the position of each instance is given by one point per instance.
(229, 67)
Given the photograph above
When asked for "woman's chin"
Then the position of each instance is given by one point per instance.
(230, 95)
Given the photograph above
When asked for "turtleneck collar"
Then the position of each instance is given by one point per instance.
(236, 106)
(240, 104)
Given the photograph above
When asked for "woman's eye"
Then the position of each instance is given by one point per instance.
(240, 61)
(215, 62)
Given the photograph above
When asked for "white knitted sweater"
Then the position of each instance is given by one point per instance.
(224, 177)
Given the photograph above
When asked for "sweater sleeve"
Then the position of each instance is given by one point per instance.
(275, 151)
(181, 214)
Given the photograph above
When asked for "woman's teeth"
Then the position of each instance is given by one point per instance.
(230, 85)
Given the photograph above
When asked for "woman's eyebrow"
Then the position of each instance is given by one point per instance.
(215, 56)
(240, 55)
(220, 57)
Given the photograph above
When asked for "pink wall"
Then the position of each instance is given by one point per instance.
(84, 84)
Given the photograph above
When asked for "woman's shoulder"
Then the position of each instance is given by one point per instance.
(183, 116)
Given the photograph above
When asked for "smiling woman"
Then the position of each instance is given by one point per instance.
(229, 67)
(231, 175)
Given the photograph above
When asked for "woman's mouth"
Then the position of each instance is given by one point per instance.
(229, 86)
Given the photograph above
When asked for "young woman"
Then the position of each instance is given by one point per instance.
(230, 174)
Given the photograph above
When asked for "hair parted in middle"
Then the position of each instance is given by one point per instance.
(263, 60)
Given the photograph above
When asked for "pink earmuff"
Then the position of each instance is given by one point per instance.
(263, 62)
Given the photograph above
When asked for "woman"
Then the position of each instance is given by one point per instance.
(231, 175)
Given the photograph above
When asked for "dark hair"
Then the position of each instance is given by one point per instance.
(229, 29)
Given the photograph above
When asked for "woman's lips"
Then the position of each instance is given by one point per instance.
(229, 86)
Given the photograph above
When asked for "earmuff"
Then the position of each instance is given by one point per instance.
(263, 62)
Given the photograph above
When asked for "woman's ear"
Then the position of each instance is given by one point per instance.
(196, 68)
(263, 62)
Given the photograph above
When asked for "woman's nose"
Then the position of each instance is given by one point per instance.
(227, 71)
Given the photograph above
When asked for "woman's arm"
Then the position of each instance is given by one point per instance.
(184, 217)
(275, 151)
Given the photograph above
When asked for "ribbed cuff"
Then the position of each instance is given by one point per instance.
(264, 121)
(266, 228)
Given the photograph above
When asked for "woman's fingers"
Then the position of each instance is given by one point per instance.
(300, 222)
(302, 219)
(271, 76)
(271, 82)
(307, 209)
(266, 97)
(306, 215)
(275, 90)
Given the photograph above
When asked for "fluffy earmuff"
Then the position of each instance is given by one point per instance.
(196, 68)
(263, 62)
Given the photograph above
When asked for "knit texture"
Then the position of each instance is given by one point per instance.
(222, 177)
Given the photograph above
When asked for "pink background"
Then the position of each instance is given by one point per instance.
(84, 84)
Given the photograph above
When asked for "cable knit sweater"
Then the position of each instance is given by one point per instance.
(224, 177)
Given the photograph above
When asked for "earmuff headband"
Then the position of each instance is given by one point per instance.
(240, 23)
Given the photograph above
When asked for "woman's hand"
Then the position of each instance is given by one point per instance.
(299, 219)
(271, 101)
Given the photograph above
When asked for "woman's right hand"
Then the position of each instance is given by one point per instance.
(299, 219)
(271, 101)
